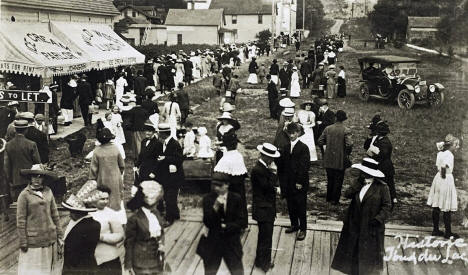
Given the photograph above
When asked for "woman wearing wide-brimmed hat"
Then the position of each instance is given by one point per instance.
(331, 81)
(443, 194)
(38, 223)
(306, 118)
(360, 249)
(227, 125)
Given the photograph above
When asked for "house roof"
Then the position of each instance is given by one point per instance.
(209, 17)
(138, 9)
(242, 7)
(102, 7)
(423, 22)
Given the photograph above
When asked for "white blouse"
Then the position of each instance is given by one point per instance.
(154, 226)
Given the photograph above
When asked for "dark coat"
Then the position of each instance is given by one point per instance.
(80, 244)
(140, 248)
(263, 193)
(385, 155)
(317, 78)
(219, 238)
(272, 92)
(294, 168)
(162, 73)
(20, 153)
(136, 118)
(7, 116)
(337, 139)
(358, 231)
(253, 67)
(68, 97)
(150, 106)
(140, 85)
(85, 93)
(188, 68)
(183, 99)
(173, 155)
(284, 78)
(40, 138)
(148, 158)
(274, 69)
(327, 119)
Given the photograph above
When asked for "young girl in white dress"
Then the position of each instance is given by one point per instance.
(171, 114)
(295, 86)
(204, 148)
(443, 194)
(116, 120)
(307, 120)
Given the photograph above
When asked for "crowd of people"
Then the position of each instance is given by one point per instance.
(103, 238)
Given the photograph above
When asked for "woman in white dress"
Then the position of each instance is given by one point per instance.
(204, 148)
(180, 72)
(443, 194)
(116, 120)
(195, 58)
(120, 85)
(171, 114)
(295, 86)
(306, 118)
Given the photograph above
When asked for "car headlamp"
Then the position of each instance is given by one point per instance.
(432, 88)
(417, 89)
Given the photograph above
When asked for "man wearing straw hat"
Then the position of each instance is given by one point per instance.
(264, 182)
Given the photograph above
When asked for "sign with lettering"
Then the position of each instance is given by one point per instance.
(26, 96)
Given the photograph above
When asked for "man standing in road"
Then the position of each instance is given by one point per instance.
(85, 99)
(337, 139)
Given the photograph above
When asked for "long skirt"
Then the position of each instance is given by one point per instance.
(443, 193)
(341, 91)
(40, 261)
(274, 78)
(308, 139)
(295, 89)
(331, 89)
(252, 79)
(178, 78)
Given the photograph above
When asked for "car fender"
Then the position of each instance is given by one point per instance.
(409, 87)
(439, 86)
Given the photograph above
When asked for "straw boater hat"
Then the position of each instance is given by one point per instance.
(164, 127)
(21, 123)
(37, 170)
(288, 112)
(287, 103)
(77, 202)
(228, 107)
(226, 116)
(370, 167)
(27, 116)
(13, 103)
(269, 150)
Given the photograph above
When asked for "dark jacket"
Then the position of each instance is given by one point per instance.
(37, 219)
(68, 96)
(284, 76)
(150, 106)
(162, 73)
(137, 117)
(148, 158)
(263, 193)
(327, 119)
(293, 168)
(7, 116)
(188, 67)
(84, 92)
(272, 92)
(173, 155)
(140, 85)
(337, 138)
(183, 99)
(253, 67)
(358, 231)
(219, 238)
(274, 69)
(40, 138)
(385, 155)
(80, 244)
(20, 153)
(140, 249)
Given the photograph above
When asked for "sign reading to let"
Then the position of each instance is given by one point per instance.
(26, 96)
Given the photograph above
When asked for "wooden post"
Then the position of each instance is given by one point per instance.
(46, 81)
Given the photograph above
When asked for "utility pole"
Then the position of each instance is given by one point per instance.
(303, 18)
(273, 23)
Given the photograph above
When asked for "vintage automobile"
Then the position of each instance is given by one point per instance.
(391, 78)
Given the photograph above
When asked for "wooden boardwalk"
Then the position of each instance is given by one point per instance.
(311, 256)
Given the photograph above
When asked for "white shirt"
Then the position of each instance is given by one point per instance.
(293, 143)
(342, 74)
(166, 141)
(154, 227)
(364, 191)
(262, 162)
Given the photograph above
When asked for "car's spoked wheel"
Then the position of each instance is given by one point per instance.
(405, 99)
(436, 99)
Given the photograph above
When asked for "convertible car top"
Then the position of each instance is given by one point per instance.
(385, 59)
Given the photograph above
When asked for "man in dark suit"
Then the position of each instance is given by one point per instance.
(170, 172)
(136, 117)
(293, 171)
(272, 97)
(188, 69)
(81, 238)
(39, 137)
(20, 153)
(151, 149)
(85, 99)
(284, 76)
(305, 73)
(224, 221)
(264, 182)
(162, 76)
(325, 118)
(183, 101)
(139, 86)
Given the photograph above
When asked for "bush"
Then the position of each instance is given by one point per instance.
(398, 44)
(156, 50)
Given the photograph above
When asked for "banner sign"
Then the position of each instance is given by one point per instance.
(26, 96)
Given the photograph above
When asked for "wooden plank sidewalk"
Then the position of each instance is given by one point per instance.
(311, 256)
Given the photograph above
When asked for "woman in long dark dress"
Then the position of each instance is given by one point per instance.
(341, 91)
(360, 249)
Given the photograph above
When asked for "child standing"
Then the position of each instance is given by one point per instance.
(443, 194)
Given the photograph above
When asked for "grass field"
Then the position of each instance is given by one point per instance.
(413, 134)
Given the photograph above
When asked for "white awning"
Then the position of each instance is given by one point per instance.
(99, 43)
(31, 49)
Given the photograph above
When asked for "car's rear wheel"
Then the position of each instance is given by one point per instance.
(364, 92)
(406, 99)
(436, 99)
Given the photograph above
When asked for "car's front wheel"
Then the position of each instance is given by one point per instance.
(436, 98)
(364, 92)
(406, 99)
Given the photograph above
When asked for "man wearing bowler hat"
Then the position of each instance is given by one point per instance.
(170, 172)
(264, 188)
(338, 145)
(224, 221)
(85, 98)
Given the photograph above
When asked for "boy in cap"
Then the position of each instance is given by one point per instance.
(224, 221)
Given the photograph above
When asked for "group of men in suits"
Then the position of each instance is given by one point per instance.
(160, 159)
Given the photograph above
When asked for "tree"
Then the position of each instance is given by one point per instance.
(314, 16)
(263, 36)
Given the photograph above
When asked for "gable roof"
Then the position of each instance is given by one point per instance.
(101, 7)
(140, 10)
(423, 22)
(180, 17)
(243, 7)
